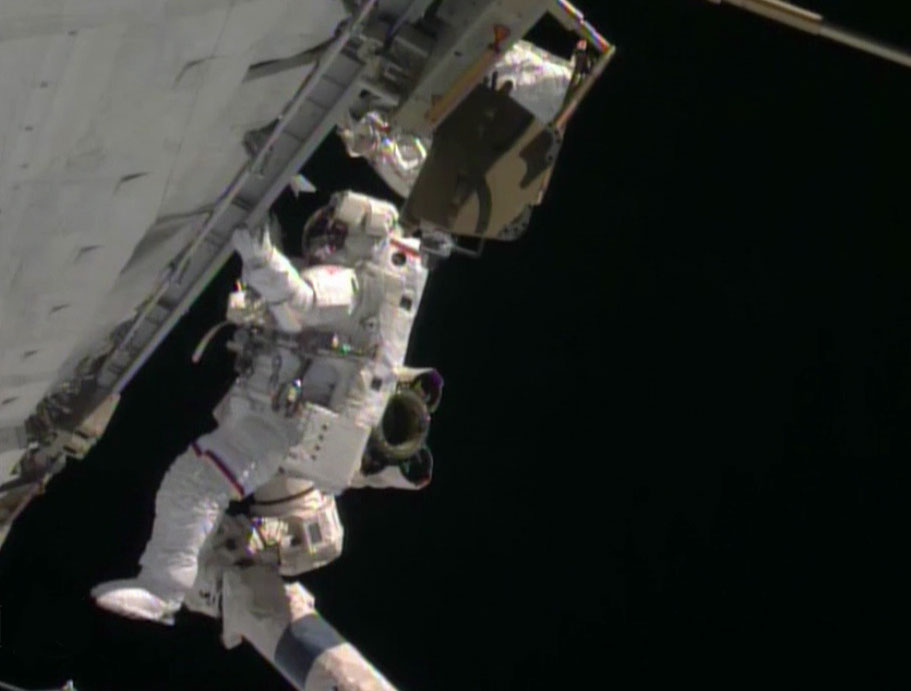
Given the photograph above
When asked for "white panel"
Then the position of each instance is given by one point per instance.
(209, 160)
(78, 91)
(133, 211)
(17, 402)
(31, 74)
(107, 109)
(33, 358)
(304, 25)
(32, 18)
(249, 22)
(144, 270)
(52, 220)
(95, 215)
(211, 153)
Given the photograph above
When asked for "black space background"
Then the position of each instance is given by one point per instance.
(675, 414)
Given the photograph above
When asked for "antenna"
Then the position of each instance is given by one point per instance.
(816, 24)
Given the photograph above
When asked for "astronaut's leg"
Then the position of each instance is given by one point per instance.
(280, 621)
(227, 464)
(192, 497)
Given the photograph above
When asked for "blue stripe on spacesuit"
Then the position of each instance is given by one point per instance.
(302, 642)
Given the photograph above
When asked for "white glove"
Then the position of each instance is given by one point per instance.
(253, 247)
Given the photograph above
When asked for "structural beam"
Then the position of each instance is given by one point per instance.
(816, 24)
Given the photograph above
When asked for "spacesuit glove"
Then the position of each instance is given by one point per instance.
(254, 247)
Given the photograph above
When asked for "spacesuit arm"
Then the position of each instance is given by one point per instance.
(317, 295)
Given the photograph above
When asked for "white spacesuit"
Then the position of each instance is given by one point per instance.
(322, 381)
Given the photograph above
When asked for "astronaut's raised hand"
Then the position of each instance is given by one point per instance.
(254, 247)
(273, 276)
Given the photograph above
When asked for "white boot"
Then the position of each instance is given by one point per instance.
(191, 500)
(131, 598)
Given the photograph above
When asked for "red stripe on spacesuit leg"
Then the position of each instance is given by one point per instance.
(223, 469)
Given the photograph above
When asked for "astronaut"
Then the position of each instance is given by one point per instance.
(322, 392)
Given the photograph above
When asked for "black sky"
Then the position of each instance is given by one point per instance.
(675, 413)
